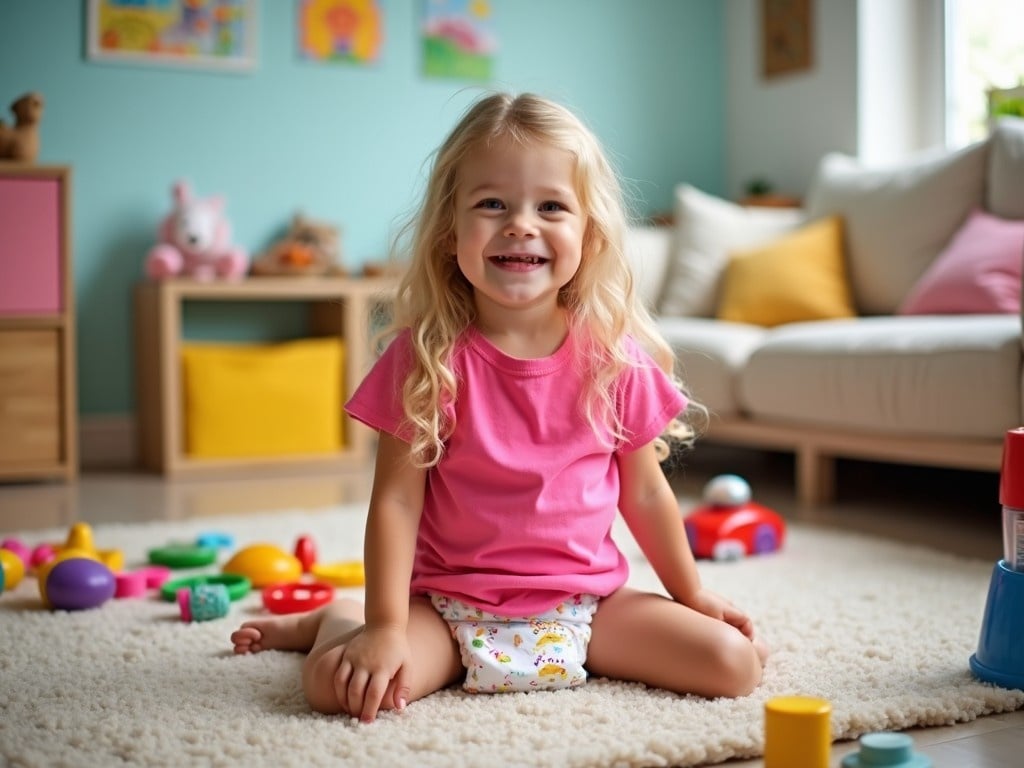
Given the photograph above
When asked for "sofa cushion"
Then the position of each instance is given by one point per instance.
(801, 276)
(646, 251)
(706, 228)
(899, 218)
(956, 376)
(710, 356)
(978, 273)
(1005, 193)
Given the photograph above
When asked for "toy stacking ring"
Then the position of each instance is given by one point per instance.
(297, 597)
(238, 586)
(182, 556)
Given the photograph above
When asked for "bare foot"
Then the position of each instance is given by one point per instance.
(292, 632)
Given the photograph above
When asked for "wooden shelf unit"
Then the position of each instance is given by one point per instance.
(338, 306)
(38, 393)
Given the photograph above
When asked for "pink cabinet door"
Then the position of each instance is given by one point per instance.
(30, 237)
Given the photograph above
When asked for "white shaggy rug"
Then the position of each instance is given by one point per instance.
(882, 631)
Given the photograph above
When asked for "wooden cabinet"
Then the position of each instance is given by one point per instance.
(336, 307)
(38, 400)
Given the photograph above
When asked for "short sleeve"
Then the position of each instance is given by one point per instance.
(647, 400)
(377, 401)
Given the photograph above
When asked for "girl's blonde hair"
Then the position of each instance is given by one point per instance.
(435, 301)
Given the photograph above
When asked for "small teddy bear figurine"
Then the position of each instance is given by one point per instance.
(20, 142)
(309, 248)
(195, 241)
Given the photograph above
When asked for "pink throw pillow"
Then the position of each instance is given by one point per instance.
(979, 272)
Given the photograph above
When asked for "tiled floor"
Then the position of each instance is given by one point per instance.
(949, 510)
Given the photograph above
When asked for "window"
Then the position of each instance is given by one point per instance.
(984, 50)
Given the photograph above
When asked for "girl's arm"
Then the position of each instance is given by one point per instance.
(380, 653)
(396, 503)
(649, 507)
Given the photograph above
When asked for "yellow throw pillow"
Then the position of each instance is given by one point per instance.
(798, 277)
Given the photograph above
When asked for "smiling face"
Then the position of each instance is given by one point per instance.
(519, 225)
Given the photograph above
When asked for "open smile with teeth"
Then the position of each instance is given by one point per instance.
(518, 259)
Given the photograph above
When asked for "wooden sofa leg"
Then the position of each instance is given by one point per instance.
(815, 477)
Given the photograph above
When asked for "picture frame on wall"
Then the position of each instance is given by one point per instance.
(217, 35)
(786, 37)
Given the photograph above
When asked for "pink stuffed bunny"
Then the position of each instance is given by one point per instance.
(195, 241)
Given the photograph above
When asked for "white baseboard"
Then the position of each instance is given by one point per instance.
(107, 441)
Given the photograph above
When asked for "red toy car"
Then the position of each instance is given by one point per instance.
(731, 532)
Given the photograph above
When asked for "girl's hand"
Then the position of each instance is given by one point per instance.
(370, 662)
(717, 607)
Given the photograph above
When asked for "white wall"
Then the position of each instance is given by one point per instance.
(778, 129)
(874, 90)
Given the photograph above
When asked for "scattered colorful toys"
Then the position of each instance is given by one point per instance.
(297, 597)
(264, 565)
(347, 573)
(729, 526)
(797, 732)
(78, 583)
(895, 750)
(203, 602)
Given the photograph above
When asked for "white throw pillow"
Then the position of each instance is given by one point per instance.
(899, 218)
(706, 229)
(1006, 169)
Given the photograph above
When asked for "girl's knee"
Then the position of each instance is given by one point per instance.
(738, 665)
(319, 671)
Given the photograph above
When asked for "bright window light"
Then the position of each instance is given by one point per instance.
(984, 50)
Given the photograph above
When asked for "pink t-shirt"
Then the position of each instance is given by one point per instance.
(517, 515)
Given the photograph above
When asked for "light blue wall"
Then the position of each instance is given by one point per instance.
(342, 143)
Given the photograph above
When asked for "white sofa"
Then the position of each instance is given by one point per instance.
(932, 389)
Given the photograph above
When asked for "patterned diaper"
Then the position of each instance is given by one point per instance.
(545, 652)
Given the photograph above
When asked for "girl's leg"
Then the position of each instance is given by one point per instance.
(651, 639)
(294, 632)
(437, 665)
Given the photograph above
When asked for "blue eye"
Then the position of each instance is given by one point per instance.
(551, 207)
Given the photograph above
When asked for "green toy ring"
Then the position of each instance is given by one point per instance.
(183, 556)
(238, 586)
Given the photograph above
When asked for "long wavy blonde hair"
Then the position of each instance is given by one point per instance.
(435, 301)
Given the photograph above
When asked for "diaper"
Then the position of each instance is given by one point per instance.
(545, 652)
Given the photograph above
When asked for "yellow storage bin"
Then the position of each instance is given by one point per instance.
(263, 399)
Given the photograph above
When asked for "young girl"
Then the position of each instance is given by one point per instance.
(517, 407)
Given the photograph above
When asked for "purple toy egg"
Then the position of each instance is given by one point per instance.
(79, 583)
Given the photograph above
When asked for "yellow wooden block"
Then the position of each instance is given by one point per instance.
(252, 400)
(797, 732)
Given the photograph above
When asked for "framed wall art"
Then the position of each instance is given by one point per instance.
(204, 34)
(786, 37)
(348, 31)
(458, 39)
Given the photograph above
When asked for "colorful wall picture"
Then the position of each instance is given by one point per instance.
(207, 34)
(341, 30)
(458, 39)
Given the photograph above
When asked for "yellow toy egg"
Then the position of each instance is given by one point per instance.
(13, 568)
(264, 565)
